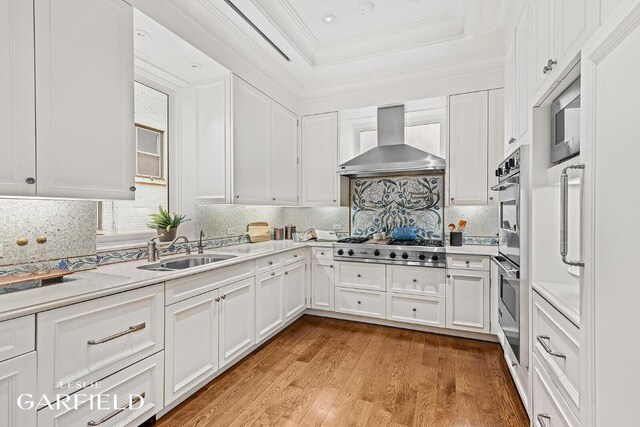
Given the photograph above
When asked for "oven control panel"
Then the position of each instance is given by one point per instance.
(510, 166)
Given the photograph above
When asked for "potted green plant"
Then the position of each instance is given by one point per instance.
(165, 224)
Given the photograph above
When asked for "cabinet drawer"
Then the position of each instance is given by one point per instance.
(17, 336)
(468, 262)
(322, 253)
(556, 342)
(416, 309)
(139, 385)
(187, 287)
(269, 263)
(416, 280)
(86, 342)
(360, 275)
(293, 256)
(360, 301)
(548, 406)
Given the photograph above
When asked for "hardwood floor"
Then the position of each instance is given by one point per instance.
(336, 373)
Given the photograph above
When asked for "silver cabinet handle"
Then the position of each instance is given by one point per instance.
(541, 419)
(512, 140)
(270, 262)
(542, 339)
(106, 418)
(564, 216)
(273, 274)
(131, 330)
(30, 181)
(218, 299)
(223, 296)
(414, 309)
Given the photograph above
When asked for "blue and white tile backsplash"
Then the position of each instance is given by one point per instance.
(382, 204)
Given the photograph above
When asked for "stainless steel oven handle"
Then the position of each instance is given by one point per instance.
(564, 215)
(509, 273)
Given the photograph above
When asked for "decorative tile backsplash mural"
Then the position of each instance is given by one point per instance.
(382, 204)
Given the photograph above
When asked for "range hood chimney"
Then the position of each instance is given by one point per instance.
(392, 155)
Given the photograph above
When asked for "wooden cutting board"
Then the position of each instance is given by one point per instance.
(259, 232)
(52, 276)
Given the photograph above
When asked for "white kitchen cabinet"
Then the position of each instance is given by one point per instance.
(251, 144)
(322, 284)
(522, 109)
(467, 162)
(191, 339)
(319, 159)
(269, 308)
(360, 302)
(284, 155)
(509, 97)
(265, 148)
(361, 275)
(548, 407)
(294, 289)
(496, 140)
(542, 42)
(17, 99)
(84, 99)
(17, 336)
(237, 319)
(420, 310)
(468, 300)
(17, 378)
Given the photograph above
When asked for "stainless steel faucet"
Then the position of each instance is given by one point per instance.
(200, 245)
(153, 252)
(188, 249)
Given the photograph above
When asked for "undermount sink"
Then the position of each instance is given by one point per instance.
(185, 262)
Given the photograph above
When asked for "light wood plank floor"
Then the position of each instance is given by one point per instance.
(335, 373)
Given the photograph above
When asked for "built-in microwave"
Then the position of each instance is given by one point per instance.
(565, 124)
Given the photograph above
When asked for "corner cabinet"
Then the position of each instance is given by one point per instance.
(265, 148)
(319, 155)
(468, 149)
(82, 144)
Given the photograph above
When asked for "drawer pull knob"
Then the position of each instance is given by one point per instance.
(331, 266)
(514, 364)
(286, 273)
(359, 275)
(542, 339)
(467, 262)
(415, 309)
(295, 255)
(131, 330)
(415, 280)
(218, 299)
(321, 253)
(106, 418)
(223, 297)
(541, 419)
(270, 262)
(359, 302)
(273, 274)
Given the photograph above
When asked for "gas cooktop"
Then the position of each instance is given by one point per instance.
(420, 252)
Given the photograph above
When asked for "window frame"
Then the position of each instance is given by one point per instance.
(161, 137)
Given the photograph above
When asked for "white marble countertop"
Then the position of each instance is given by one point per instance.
(565, 297)
(488, 250)
(114, 278)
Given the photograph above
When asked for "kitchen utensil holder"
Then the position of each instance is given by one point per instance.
(455, 238)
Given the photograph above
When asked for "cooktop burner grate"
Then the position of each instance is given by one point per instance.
(419, 242)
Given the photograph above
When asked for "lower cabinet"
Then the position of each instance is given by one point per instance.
(236, 320)
(126, 398)
(549, 409)
(295, 285)
(18, 377)
(191, 343)
(360, 301)
(416, 309)
(322, 285)
(468, 300)
(269, 308)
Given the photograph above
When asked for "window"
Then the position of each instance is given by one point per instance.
(149, 152)
(125, 221)
(425, 137)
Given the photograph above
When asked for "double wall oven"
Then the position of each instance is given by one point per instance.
(513, 309)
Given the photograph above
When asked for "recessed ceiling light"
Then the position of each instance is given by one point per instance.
(196, 66)
(365, 8)
(328, 18)
(142, 34)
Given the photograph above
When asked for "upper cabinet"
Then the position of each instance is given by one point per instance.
(265, 148)
(496, 139)
(468, 148)
(319, 155)
(83, 102)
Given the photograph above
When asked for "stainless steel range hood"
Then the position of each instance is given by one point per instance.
(392, 155)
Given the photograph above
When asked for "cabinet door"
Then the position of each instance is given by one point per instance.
(17, 99)
(468, 300)
(191, 343)
(294, 289)
(574, 21)
(18, 377)
(496, 140)
(269, 309)
(319, 160)
(84, 99)
(237, 322)
(322, 285)
(284, 155)
(542, 42)
(468, 149)
(509, 97)
(522, 83)
(251, 143)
